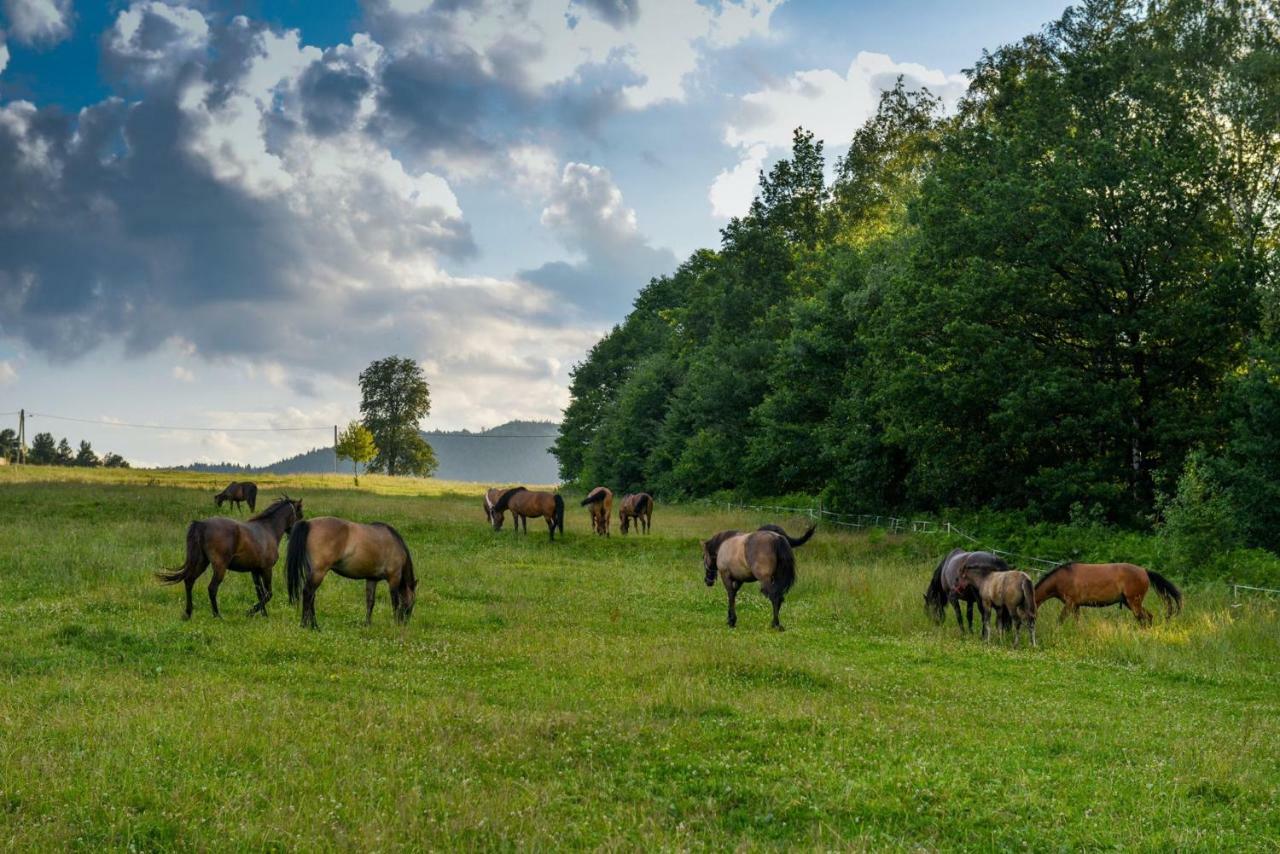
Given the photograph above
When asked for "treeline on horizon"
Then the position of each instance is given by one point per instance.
(1058, 301)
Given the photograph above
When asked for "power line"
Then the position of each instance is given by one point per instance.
(170, 427)
(266, 429)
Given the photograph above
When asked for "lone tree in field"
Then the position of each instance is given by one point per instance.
(395, 397)
(356, 444)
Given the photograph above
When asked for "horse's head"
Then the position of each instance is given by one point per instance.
(623, 519)
(295, 510)
(408, 596)
(219, 498)
(496, 519)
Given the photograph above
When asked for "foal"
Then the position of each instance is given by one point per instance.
(1008, 593)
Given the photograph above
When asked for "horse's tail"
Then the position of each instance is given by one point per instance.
(195, 551)
(784, 568)
(1028, 594)
(297, 563)
(1171, 595)
(597, 495)
(558, 518)
(803, 538)
(935, 598)
(500, 506)
(645, 504)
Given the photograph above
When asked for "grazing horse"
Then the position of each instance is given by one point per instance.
(1097, 585)
(250, 546)
(942, 587)
(525, 503)
(601, 501)
(373, 553)
(638, 506)
(491, 498)
(1009, 594)
(739, 559)
(236, 492)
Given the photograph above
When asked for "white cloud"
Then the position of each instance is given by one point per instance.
(551, 44)
(38, 21)
(587, 208)
(734, 188)
(182, 374)
(149, 41)
(8, 373)
(4, 53)
(831, 105)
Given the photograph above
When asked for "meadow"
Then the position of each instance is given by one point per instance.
(587, 694)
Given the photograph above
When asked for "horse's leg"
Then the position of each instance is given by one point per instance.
(774, 595)
(732, 587)
(190, 581)
(370, 592)
(982, 608)
(955, 603)
(262, 595)
(1140, 613)
(312, 583)
(969, 614)
(1065, 612)
(219, 573)
(551, 528)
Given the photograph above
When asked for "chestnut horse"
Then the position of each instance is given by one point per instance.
(1097, 585)
(942, 587)
(374, 553)
(763, 555)
(236, 492)
(601, 501)
(1009, 594)
(250, 546)
(638, 506)
(525, 503)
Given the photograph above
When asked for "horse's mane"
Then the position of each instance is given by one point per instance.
(1050, 573)
(500, 505)
(713, 544)
(271, 509)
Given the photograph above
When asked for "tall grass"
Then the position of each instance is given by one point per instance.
(586, 693)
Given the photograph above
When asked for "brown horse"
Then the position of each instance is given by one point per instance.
(226, 544)
(1008, 593)
(1097, 585)
(942, 587)
(373, 553)
(600, 500)
(491, 498)
(236, 492)
(525, 503)
(739, 559)
(637, 506)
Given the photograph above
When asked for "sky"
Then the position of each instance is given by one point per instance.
(215, 214)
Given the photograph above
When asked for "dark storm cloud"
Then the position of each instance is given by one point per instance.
(331, 91)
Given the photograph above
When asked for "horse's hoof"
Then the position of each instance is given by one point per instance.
(779, 628)
(186, 617)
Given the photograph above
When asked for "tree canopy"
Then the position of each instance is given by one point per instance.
(1046, 300)
(394, 400)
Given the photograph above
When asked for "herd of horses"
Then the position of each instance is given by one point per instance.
(375, 552)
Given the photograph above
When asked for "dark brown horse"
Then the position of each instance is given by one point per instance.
(236, 492)
(600, 500)
(942, 587)
(1097, 585)
(739, 559)
(1009, 594)
(637, 506)
(226, 544)
(371, 553)
(526, 503)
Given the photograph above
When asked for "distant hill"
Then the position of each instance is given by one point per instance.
(515, 451)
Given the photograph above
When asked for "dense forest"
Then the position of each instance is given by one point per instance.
(1057, 298)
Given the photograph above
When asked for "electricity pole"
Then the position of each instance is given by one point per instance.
(335, 448)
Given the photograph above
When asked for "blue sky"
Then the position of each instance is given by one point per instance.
(216, 214)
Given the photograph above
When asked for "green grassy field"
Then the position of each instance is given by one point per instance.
(588, 694)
